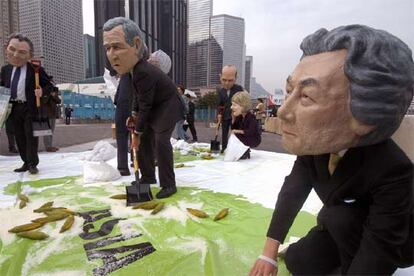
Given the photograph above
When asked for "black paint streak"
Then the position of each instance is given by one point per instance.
(124, 261)
(108, 256)
(87, 227)
(107, 241)
(99, 214)
(105, 229)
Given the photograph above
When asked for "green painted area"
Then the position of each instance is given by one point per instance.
(183, 247)
(179, 158)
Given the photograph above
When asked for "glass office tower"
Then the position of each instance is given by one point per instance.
(228, 33)
(9, 23)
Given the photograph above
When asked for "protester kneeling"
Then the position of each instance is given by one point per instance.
(244, 124)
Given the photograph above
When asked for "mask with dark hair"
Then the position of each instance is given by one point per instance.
(380, 70)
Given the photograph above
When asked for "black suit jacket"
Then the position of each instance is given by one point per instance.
(225, 102)
(377, 180)
(123, 102)
(5, 80)
(251, 136)
(156, 99)
(123, 95)
(191, 111)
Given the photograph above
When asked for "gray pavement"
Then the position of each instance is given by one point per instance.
(81, 137)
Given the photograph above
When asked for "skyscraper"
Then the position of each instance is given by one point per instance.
(228, 32)
(248, 72)
(55, 27)
(89, 56)
(199, 44)
(9, 23)
(104, 10)
(164, 24)
(213, 41)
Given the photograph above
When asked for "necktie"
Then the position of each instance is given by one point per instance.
(15, 82)
(333, 162)
(228, 93)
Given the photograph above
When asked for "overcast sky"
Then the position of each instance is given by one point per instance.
(275, 28)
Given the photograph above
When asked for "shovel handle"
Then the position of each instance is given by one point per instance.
(135, 156)
(136, 166)
(37, 84)
(217, 129)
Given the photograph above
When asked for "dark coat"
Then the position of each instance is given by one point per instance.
(5, 80)
(50, 106)
(123, 102)
(191, 111)
(376, 182)
(156, 99)
(123, 96)
(249, 125)
(68, 111)
(225, 102)
(183, 107)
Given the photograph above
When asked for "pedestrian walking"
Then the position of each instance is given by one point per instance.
(190, 118)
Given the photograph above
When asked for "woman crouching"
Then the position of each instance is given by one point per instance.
(244, 124)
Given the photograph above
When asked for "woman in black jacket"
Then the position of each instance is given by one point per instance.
(244, 124)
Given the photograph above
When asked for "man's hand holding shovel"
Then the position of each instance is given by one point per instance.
(135, 137)
(219, 118)
(38, 92)
(130, 122)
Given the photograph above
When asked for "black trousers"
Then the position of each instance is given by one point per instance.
(67, 120)
(157, 145)
(10, 133)
(225, 127)
(192, 129)
(122, 137)
(23, 129)
(332, 245)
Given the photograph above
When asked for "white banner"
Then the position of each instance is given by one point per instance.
(5, 107)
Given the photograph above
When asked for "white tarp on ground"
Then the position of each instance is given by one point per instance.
(259, 179)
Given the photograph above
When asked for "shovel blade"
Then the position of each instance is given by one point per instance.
(137, 193)
(214, 146)
(41, 128)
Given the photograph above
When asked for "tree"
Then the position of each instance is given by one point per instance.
(210, 99)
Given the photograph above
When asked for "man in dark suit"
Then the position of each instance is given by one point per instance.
(122, 112)
(157, 102)
(228, 78)
(11, 136)
(19, 76)
(345, 99)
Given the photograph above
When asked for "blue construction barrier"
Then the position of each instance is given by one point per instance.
(93, 107)
(87, 106)
(205, 114)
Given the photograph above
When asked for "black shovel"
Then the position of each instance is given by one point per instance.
(214, 144)
(41, 127)
(137, 192)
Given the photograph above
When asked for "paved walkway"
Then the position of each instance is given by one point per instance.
(81, 137)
